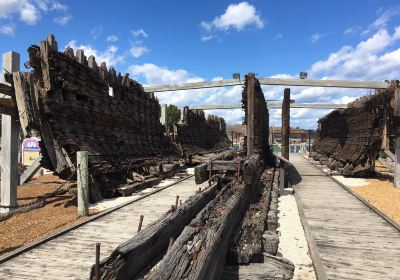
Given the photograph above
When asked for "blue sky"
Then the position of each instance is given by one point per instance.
(179, 41)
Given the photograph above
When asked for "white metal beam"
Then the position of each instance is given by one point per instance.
(273, 106)
(272, 81)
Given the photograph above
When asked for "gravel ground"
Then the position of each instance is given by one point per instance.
(59, 212)
(292, 241)
(382, 195)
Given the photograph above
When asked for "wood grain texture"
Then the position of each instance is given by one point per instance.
(352, 240)
(71, 256)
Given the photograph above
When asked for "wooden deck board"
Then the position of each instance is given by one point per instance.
(353, 241)
(71, 255)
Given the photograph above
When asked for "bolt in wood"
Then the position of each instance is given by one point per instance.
(172, 208)
(97, 263)
(176, 202)
(180, 202)
(140, 223)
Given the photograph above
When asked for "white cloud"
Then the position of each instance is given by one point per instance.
(155, 75)
(278, 36)
(317, 36)
(206, 38)
(367, 61)
(139, 33)
(8, 29)
(352, 30)
(109, 56)
(112, 38)
(29, 11)
(382, 21)
(138, 51)
(237, 16)
(96, 32)
(63, 20)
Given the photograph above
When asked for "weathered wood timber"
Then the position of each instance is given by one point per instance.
(197, 134)
(247, 242)
(348, 140)
(200, 251)
(272, 268)
(130, 258)
(138, 186)
(260, 123)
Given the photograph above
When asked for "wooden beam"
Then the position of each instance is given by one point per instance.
(30, 171)
(396, 113)
(272, 81)
(250, 113)
(274, 105)
(9, 141)
(285, 134)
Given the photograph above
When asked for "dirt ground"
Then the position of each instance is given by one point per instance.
(382, 194)
(59, 212)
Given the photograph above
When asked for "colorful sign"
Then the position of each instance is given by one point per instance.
(30, 150)
(31, 144)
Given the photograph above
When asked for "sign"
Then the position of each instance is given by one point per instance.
(30, 150)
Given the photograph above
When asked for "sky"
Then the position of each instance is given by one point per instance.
(171, 41)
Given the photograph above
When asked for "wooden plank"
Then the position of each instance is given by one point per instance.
(22, 85)
(71, 255)
(272, 81)
(30, 171)
(353, 242)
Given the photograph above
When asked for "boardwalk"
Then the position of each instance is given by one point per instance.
(353, 242)
(71, 255)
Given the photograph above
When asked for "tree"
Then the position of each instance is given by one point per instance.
(173, 115)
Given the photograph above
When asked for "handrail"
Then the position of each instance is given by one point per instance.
(282, 159)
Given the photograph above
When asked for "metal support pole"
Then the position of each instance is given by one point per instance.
(232, 138)
(309, 140)
(9, 144)
(83, 183)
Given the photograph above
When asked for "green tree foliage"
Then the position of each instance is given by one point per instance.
(173, 115)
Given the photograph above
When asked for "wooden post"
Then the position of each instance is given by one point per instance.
(286, 131)
(97, 262)
(285, 123)
(250, 113)
(83, 183)
(396, 113)
(9, 144)
(163, 117)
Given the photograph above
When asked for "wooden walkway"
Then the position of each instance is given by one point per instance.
(71, 255)
(352, 241)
